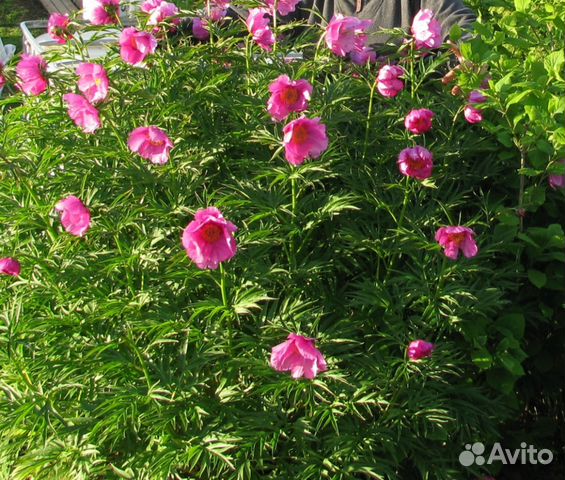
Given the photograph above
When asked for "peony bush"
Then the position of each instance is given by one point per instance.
(221, 261)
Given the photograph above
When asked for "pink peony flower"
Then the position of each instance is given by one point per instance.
(101, 12)
(388, 80)
(304, 138)
(10, 266)
(416, 162)
(160, 12)
(299, 356)
(136, 46)
(200, 29)
(93, 82)
(217, 13)
(223, 4)
(426, 30)
(477, 97)
(258, 24)
(284, 7)
(346, 34)
(419, 349)
(472, 114)
(31, 72)
(75, 217)
(82, 112)
(288, 96)
(149, 5)
(58, 28)
(151, 143)
(557, 181)
(453, 239)
(419, 121)
(208, 239)
(363, 55)
(2, 78)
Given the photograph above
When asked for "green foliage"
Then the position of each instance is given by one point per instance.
(120, 359)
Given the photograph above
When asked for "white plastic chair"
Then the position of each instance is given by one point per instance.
(6, 53)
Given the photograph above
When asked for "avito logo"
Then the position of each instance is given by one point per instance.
(474, 454)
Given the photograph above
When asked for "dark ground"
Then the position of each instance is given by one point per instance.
(12, 12)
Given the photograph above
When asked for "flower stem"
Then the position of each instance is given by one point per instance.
(275, 25)
(223, 286)
(294, 196)
(368, 121)
(395, 258)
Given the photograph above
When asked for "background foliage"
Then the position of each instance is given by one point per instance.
(120, 359)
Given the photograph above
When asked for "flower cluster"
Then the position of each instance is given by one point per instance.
(209, 239)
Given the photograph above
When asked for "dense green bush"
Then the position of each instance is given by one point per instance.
(120, 359)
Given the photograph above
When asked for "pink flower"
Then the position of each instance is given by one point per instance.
(58, 28)
(93, 82)
(288, 96)
(10, 266)
(284, 7)
(345, 34)
(557, 181)
(304, 138)
(82, 112)
(477, 97)
(101, 12)
(453, 239)
(472, 114)
(149, 5)
(363, 55)
(151, 143)
(136, 46)
(388, 80)
(208, 239)
(426, 30)
(258, 24)
(223, 4)
(200, 29)
(31, 72)
(419, 121)
(217, 13)
(419, 349)
(416, 162)
(2, 78)
(160, 12)
(299, 356)
(75, 217)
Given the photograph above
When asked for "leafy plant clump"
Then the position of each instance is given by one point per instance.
(122, 356)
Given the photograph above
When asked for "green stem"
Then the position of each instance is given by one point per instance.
(223, 286)
(248, 63)
(322, 37)
(275, 25)
(294, 196)
(395, 258)
(368, 121)
(412, 91)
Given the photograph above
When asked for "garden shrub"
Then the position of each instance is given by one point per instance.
(120, 358)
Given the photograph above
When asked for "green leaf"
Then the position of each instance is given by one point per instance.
(522, 5)
(539, 279)
(554, 63)
(511, 364)
(514, 323)
(482, 359)
(501, 380)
